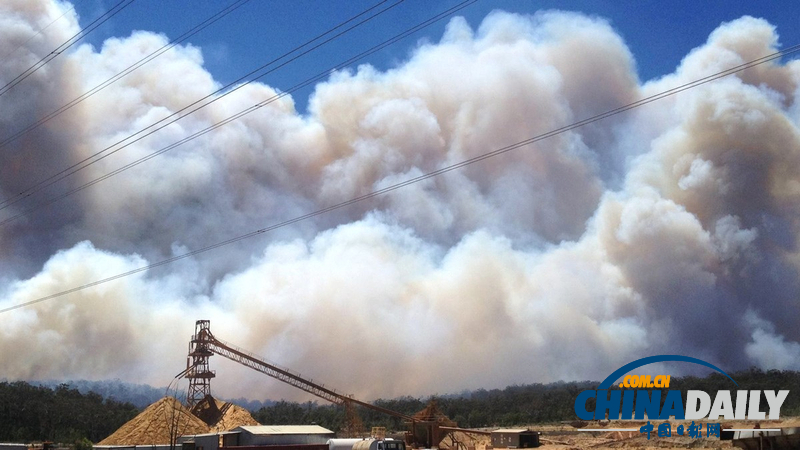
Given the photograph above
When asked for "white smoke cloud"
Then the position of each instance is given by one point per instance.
(670, 229)
(767, 348)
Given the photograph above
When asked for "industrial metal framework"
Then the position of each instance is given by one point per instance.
(204, 344)
(424, 432)
(198, 371)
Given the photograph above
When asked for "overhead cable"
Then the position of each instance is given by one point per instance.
(197, 104)
(466, 162)
(230, 119)
(128, 70)
(116, 9)
(38, 32)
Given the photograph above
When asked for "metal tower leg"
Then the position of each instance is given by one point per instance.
(199, 374)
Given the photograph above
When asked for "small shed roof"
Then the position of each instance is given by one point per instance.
(512, 430)
(283, 429)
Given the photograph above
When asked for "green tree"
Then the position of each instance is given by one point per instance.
(82, 444)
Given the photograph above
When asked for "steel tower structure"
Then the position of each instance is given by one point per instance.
(198, 371)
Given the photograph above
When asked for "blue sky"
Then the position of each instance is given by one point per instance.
(659, 34)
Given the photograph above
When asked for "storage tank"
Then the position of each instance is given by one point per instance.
(343, 444)
(366, 444)
(374, 444)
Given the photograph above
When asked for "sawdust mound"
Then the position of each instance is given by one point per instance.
(159, 422)
(222, 416)
(235, 416)
(431, 413)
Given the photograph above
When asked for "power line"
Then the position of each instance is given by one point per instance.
(426, 176)
(180, 114)
(236, 116)
(155, 54)
(116, 9)
(40, 31)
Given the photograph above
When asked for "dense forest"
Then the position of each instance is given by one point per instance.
(514, 405)
(64, 414)
(141, 395)
(525, 404)
(36, 413)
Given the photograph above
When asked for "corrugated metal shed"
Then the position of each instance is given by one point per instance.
(254, 435)
(133, 447)
(284, 429)
(209, 441)
(12, 446)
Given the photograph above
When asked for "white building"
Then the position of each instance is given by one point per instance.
(253, 435)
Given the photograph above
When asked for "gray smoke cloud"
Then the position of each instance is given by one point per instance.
(669, 229)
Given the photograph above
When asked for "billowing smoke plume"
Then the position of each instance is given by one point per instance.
(669, 229)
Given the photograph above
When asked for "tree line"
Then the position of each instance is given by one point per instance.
(523, 404)
(514, 405)
(31, 413)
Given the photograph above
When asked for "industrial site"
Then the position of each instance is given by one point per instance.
(399, 224)
(202, 422)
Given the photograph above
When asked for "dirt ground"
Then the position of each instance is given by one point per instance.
(567, 437)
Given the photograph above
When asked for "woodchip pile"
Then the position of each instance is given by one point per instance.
(157, 424)
(168, 418)
(222, 416)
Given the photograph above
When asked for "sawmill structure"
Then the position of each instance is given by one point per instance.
(424, 430)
